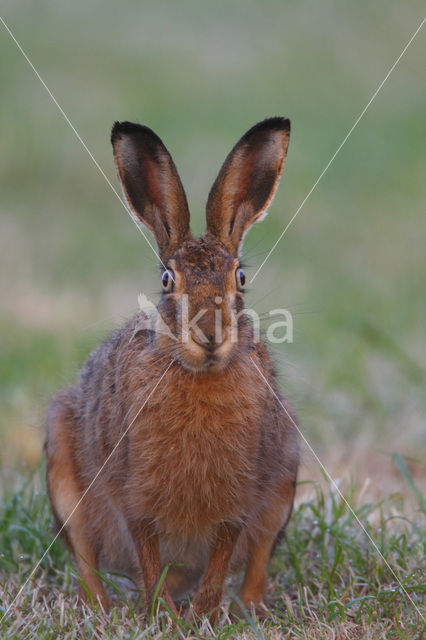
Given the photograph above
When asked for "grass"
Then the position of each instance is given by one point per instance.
(326, 579)
(351, 269)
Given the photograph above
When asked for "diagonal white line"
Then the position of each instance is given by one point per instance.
(83, 496)
(333, 482)
(327, 166)
(79, 138)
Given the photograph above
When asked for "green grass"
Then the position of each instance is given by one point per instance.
(351, 269)
(326, 576)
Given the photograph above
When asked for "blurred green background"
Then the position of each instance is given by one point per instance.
(351, 268)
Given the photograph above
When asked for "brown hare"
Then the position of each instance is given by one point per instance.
(178, 440)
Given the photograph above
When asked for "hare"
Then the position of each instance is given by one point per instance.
(175, 447)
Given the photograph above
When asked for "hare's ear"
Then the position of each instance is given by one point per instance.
(151, 184)
(247, 182)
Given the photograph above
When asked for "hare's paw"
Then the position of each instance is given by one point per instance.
(96, 598)
(205, 604)
(241, 609)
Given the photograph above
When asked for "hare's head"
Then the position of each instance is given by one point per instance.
(202, 279)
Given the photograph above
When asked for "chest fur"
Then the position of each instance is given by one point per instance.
(195, 450)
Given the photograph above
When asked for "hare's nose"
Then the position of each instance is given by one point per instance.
(210, 343)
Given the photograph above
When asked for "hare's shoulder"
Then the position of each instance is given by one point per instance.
(121, 345)
(280, 414)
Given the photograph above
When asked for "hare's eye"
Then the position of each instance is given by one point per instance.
(241, 278)
(167, 280)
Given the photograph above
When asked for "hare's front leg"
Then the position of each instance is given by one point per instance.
(253, 591)
(208, 596)
(65, 493)
(273, 520)
(148, 549)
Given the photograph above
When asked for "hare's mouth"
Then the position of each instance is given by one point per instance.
(200, 358)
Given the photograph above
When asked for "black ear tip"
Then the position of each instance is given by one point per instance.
(115, 131)
(275, 123)
(285, 124)
(134, 129)
(119, 128)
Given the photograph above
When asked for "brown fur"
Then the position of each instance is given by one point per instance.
(205, 470)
